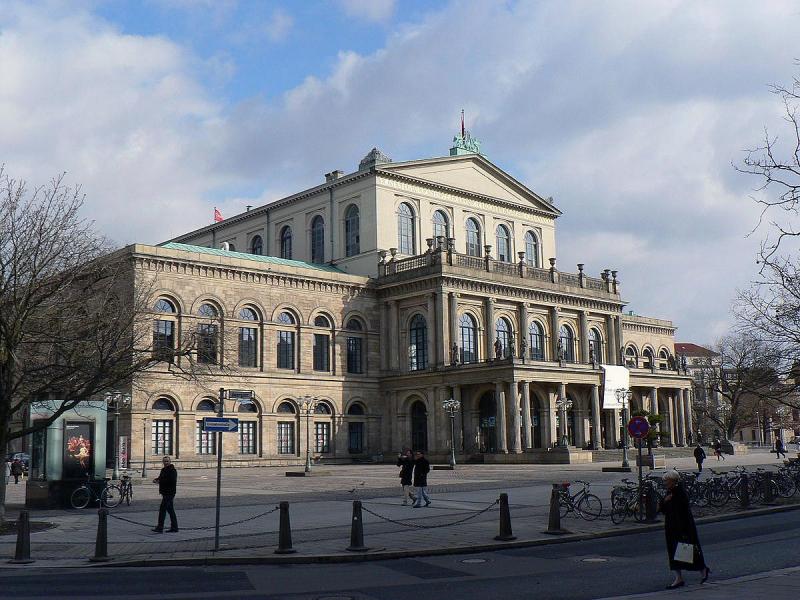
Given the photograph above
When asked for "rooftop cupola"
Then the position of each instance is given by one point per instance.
(464, 143)
(373, 158)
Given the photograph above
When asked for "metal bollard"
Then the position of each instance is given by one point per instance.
(357, 530)
(285, 532)
(650, 507)
(767, 493)
(101, 543)
(744, 491)
(505, 521)
(22, 554)
(554, 522)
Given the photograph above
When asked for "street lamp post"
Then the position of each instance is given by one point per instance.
(119, 400)
(144, 447)
(563, 405)
(624, 397)
(452, 407)
(307, 405)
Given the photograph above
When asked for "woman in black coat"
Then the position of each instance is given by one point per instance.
(406, 463)
(679, 527)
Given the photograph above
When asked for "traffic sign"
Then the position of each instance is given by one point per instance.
(243, 396)
(638, 427)
(220, 424)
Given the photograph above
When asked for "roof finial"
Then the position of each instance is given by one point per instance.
(463, 130)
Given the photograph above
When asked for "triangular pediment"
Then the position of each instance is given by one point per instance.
(475, 174)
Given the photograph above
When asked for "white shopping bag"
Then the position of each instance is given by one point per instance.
(684, 553)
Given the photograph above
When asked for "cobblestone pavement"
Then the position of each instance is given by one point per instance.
(320, 510)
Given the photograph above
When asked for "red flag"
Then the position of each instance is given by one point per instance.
(217, 215)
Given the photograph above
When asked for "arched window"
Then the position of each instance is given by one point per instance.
(352, 238)
(208, 336)
(286, 242)
(504, 333)
(321, 321)
(532, 249)
(503, 245)
(355, 429)
(473, 237)
(231, 247)
(162, 427)
(405, 229)
(286, 428)
(247, 407)
(663, 356)
(356, 409)
(286, 408)
(595, 345)
(355, 347)
(248, 314)
(647, 355)
(164, 404)
(286, 318)
(164, 306)
(441, 224)
(322, 344)
(631, 357)
(418, 344)
(164, 331)
(469, 338)
(256, 245)
(248, 339)
(317, 240)
(206, 406)
(567, 341)
(322, 409)
(536, 340)
(286, 346)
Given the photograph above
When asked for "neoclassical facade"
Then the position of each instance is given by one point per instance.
(382, 293)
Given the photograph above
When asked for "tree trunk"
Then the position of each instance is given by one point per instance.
(3, 482)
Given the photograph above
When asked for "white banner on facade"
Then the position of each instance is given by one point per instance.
(614, 378)
(123, 452)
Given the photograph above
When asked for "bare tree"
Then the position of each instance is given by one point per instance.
(74, 321)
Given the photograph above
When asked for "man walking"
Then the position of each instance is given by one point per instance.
(699, 457)
(16, 469)
(167, 482)
(779, 448)
(421, 469)
(406, 463)
(717, 445)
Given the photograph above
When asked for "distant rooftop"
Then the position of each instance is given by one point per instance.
(271, 260)
(690, 349)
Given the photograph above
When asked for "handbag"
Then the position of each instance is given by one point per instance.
(684, 553)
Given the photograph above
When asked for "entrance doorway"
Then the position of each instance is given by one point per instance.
(419, 426)
(488, 423)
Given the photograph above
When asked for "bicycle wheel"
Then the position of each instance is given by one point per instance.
(639, 509)
(110, 496)
(590, 507)
(786, 486)
(129, 494)
(80, 497)
(718, 495)
(618, 510)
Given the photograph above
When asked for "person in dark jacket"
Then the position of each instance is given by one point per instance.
(779, 448)
(717, 446)
(406, 463)
(421, 469)
(16, 469)
(679, 527)
(167, 482)
(699, 457)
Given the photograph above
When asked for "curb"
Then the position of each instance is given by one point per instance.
(422, 552)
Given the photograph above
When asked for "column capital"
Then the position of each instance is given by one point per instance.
(454, 294)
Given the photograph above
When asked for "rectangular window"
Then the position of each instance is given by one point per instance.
(286, 349)
(355, 438)
(163, 340)
(322, 345)
(247, 437)
(322, 438)
(468, 345)
(207, 343)
(248, 347)
(354, 355)
(161, 437)
(285, 438)
(205, 442)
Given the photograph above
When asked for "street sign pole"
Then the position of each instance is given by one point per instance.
(220, 410)
(641, 504)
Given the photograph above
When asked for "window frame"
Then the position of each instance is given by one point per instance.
(205, 442)
(286, 445)
(536, 334)
(166, 428)
(317, 234)
(257, 245)
(474, 247)
(441, 227)
(352, 230)
(285, 242)
(418, 343)
(467, 324)
(532, 246)
(567, 342)
(248, 437)
(506, 239)
(406, 230)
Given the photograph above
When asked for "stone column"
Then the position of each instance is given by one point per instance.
(452, 314)
(596, 417)
(516, 426)
(687, 410)
(393, 340)
(562, 414)
(679, 416)
(442, 331)
(523, 329)
(500, 425)
(554, 317)
(653, 401)
(670, 413)
(548, 420)
(583, 328)
(432, 330)
(525, 398)
(611, 352)
(489, 328)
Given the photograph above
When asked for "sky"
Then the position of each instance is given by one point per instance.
(629, 114)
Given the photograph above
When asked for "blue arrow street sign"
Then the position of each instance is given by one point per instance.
(220, 424)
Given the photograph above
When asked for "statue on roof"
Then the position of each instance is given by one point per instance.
(465, 143)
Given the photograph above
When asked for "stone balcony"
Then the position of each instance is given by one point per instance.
(441, 258)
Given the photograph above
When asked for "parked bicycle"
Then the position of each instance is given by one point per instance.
(126, 490)
(582, 503)
(109, 495)
(625, 502)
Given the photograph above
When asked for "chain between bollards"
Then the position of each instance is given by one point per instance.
(22, 554)
(357, 530)
(285, 532)
(554, 522)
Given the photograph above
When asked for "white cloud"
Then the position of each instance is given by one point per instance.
(378, 11)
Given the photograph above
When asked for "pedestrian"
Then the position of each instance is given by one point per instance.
(680, 531)
(16, 469)
(406, 463)
(167, 481)
(699, 457)
(8, 471)
(779, 449)
(717, 445)
(421, 469)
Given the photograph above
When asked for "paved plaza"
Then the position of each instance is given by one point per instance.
(320, 510)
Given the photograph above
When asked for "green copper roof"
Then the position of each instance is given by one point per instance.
(271, 260)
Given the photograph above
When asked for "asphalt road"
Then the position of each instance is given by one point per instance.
(576, 570)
